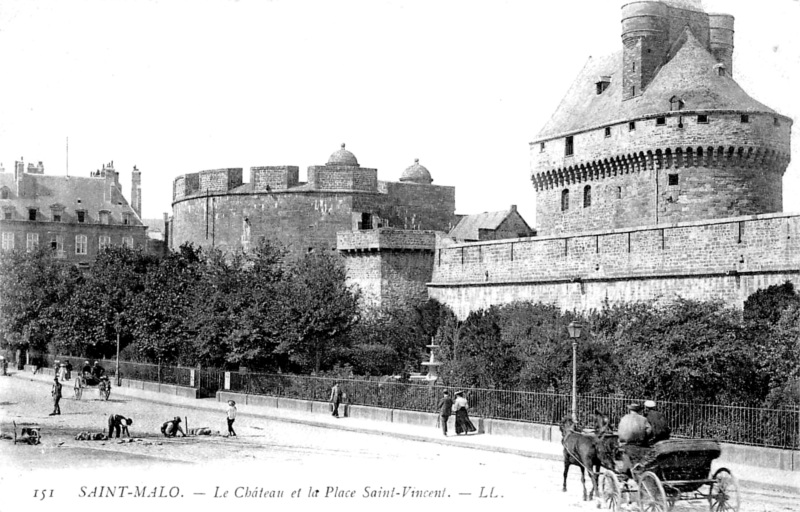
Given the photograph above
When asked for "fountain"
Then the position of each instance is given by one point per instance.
(432, 364)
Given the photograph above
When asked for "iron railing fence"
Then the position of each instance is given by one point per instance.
(148, 372)
(777, 428)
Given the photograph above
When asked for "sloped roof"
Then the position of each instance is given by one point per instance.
(469, 225)
(43, 191)
(691, 75)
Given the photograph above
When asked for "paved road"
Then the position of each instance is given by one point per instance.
(357, 471)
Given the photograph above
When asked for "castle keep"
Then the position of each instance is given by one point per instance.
(657, 176)
(216, 209)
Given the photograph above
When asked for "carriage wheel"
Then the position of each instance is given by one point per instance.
(652, 497)
(610, 492)
(724, 494)
(78, 389)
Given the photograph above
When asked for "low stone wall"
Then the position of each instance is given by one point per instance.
(786, 460)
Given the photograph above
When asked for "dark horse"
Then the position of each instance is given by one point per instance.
(588, 452)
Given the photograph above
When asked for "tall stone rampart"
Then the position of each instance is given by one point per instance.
(718, 259)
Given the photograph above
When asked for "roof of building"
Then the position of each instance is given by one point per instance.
(92, 195)
(417, 174)
(469, 225)
(343, 158)
(691, 75)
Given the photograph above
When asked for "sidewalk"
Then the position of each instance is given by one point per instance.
(764, 479)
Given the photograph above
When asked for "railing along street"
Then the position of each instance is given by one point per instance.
(777, 428)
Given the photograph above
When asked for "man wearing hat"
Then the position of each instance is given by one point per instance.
(445, 408)
(633, 428)
(657, 421)
(56, 393)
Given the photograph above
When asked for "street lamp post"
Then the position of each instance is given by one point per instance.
(574, 329)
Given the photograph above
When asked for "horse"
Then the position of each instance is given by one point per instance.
(581, 451)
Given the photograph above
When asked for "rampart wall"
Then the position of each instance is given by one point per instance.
(725, 259)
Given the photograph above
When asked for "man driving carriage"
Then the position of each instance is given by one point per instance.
(93, 374)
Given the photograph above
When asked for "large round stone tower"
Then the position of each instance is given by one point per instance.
(659, 132)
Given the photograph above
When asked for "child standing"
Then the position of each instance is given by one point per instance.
(231, 417)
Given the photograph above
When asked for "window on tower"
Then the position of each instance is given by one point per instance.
(587, 196)
(565, 200)
(569, 148)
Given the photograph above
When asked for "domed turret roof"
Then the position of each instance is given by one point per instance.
(343, 158)
(417, 174)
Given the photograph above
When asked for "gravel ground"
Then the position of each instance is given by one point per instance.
(265, 456)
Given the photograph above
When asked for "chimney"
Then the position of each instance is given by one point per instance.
(166, 232)
(513, 207)
(19, 177)
(136, 191)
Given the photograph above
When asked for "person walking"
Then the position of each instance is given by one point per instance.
(69, 370)
(231, 417)
(336, 399)
(62, 370)
(56, 393)
(117, 422)
(463, 423)
(445, 407)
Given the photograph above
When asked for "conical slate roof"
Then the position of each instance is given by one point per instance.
(692, 75)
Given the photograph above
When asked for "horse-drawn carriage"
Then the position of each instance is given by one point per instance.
(103, 385)
(670, 471)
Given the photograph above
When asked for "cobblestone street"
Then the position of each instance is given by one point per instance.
(357, 471)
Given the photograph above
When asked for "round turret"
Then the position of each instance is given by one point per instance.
(343, 158)
(417, 174)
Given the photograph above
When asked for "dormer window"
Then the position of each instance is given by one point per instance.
(675, 103)
(105, 217)
(81, 214)
(126, 219)
(569, 147)
(55, 211)
(602, 84)
(31, 213)
(720, 69)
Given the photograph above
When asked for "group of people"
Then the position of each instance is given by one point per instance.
(643, 427)
(64, 369)
(173, 427)
(460, 407)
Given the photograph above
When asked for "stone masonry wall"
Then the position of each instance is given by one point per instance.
(299, 221)
(724, 168)
(726, 259)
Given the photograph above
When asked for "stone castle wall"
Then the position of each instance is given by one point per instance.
(724, 167)
(390, 266)
(724, 259)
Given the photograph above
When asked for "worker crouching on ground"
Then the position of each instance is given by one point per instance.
(172, 427)
(117, 422)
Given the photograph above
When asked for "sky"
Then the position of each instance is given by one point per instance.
(181, 86)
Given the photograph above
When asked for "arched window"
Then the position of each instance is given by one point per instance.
(587, 196)
(565, 200)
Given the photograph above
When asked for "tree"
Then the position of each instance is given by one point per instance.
(321, 311)
(35, 286)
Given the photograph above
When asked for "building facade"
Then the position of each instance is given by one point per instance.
(75, 216)
(657, 177)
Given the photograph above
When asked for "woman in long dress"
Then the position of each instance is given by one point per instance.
(463, 424)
